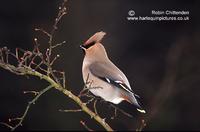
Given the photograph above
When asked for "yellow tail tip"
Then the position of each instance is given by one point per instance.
(142, 111)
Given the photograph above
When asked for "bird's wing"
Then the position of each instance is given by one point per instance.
(110, 74)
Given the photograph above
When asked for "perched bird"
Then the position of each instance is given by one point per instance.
(102, 77)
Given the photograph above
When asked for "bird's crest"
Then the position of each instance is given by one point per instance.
(97, 37)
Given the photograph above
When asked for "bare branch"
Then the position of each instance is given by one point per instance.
(21, 119)
(29, 66)
(7, 125)
(28, 71)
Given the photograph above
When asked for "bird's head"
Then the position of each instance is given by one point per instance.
(93, 47)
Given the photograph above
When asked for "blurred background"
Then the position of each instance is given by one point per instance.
(160, 59)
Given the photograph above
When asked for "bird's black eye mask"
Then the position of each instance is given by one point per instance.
(84, 47)
(88, 45)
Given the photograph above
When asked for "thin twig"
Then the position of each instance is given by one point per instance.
(43, 31)
(115, 114)
(59, 44)
(21, 119)
(95, 108)
(76, 110)
(142, 126)
(7, 125)
(86, 127)
(33, 92)
(120, 110)
(61, 13)
(29, 105)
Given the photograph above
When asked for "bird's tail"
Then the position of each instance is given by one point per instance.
(131, 98)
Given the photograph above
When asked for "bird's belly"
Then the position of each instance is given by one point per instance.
(105, 90)
(101, 88)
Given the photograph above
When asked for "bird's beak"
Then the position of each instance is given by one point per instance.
(83, 48)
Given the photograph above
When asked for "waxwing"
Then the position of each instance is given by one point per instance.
(102, 77)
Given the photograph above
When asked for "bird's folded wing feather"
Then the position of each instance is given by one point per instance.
(110, 74)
